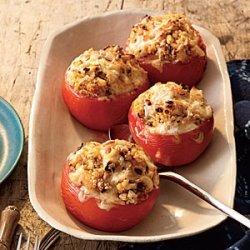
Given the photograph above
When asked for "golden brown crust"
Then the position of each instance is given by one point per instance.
(116, 171)
(170, 108)
(165, 38)
(105, 73)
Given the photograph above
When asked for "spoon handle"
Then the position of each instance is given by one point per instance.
(205, 196)
(9, 219)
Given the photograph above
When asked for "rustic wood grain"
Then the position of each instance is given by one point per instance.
(25, 26)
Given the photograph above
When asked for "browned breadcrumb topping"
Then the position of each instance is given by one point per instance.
(165, 38)
(170, 108)
(116, 172)
(105, 73)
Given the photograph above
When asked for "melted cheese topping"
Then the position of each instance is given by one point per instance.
(165, 38)
(105, 73)
(115, 172)
(171, 109)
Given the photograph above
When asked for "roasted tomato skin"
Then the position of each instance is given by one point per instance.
(118, 218)
(171, 150)
(100, 114)
(189, 73)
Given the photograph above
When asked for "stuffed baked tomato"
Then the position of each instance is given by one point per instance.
(110, 186)
(172, 124)
(100, 85)
(169, 49)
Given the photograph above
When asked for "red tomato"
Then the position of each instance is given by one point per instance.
(118, 218)
(189, 73)
(100, 114)
(171, 150)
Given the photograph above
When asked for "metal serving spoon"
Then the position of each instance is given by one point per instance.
(122, 132)
(205, 196)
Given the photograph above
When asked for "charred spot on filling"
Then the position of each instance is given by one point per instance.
(149, 123)
(159, 110)
(138, 171)
(141, 114)
(169, 48)
(148, 102)
(122, 154)
(169, 102)
(80, 146)
(117, 171)
(110, 167)
(140, 186)
(86, 69)
(101, 75)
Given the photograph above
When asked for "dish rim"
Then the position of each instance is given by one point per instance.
(34, 111)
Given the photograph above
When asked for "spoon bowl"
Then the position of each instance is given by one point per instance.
(190, 186)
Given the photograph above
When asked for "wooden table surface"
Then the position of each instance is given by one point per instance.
(25, 26)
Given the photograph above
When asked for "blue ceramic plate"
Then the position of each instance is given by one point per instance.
(11, 139)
